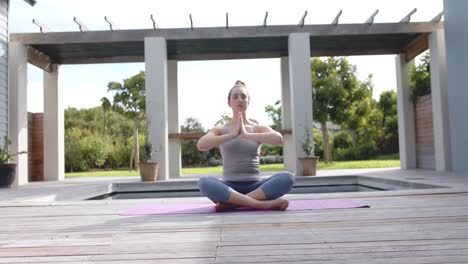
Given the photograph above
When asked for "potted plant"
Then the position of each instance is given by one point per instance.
(7, 170)
(310, 162)
(148, 168)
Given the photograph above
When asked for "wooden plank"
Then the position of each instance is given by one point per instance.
(39, 59)
(86, 259)
(424, 133)
(220, 33)
(416, 47)
(400, 229)
(191, 135)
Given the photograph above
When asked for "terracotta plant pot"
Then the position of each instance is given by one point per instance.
(148, 171)
(7, 174)
(309, 165)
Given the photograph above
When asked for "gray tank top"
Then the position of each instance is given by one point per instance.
(241, 158)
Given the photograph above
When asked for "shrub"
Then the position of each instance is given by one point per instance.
(212, 162)
(318, 143)
(366, 151)
(361, 152)
(190, 154)
(308, 146)
(420, 78)
(342, 139)
(145, 152)
(148, 153)
(279, 159)
(267, 160)
(267, 150)
(5, 154)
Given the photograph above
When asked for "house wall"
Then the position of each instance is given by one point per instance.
(36, 146)
(3, 68)
(424, 131)
(456, 41)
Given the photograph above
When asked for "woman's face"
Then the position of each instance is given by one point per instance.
(239, 99)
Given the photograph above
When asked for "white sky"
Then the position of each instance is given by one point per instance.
(203, 85)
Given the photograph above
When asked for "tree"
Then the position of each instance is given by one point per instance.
(274, 112)
(94, 150)
(223, 119)
(84, 149)
(73, 150)
(387, 104)
(130, 99)
(190, 153)
(361, 106)
(334, 85)
(89, 123)
(106, 106)
(420, 77)
(369, 132)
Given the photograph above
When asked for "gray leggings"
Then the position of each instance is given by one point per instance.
(219, 191)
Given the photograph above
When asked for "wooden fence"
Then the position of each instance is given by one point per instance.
(424, 131)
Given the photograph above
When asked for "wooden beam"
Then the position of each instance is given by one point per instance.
(91, 60)
(31, 2)
(227, 20)
(370, 20)
(265, 19)
(416, 47)
(199, 135)
(186, 135)
(80, 24)
(242, 42)
(191, 21)
(302, 21)
(155, 26)
(220, 33)
(112, 26)
(335, 21)
(437, 18)
(407, 18)
(39, 59)
(42, 28)
(226, 56)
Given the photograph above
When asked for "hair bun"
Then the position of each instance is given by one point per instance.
(239, 83)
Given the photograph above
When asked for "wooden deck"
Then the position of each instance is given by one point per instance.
(417, 228)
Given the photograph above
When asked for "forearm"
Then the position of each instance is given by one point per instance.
(208, 142)
(271, 138)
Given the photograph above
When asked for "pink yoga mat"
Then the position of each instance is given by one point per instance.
(294, 205)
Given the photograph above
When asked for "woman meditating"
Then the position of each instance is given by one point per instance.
(239, 141)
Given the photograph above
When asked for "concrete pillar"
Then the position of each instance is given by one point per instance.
(439, 100)
(288, 145)
(175, 161)
(18, 111)
(456, 41)
(405, 109)
(301, 92)
(157, 101)
(54, 155)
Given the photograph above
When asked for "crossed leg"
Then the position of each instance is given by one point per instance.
(264, 195)
(238, 200)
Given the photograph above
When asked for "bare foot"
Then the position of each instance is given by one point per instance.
(277, 204)
(220, 207)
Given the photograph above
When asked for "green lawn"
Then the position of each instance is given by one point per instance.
(360, 164)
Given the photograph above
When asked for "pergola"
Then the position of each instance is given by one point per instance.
(161, 49)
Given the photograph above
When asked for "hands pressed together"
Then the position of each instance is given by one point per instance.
(240, 128)
(264, 135)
